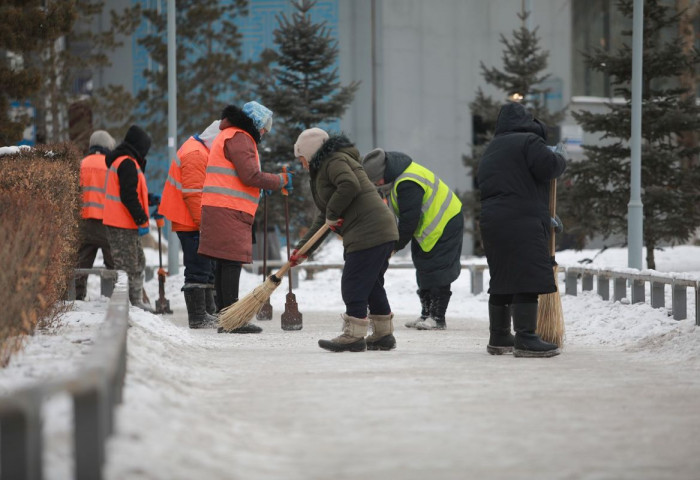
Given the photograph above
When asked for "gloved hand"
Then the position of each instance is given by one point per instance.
(160, 220)
(561, 150)
(153, 199)
(335, 224)
(265, 193)
(143, 229)
(287, 179)
(557, 224)
(296, 258)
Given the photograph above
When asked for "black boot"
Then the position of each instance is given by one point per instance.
(500, 338)
(527, 342)
(197, 315)
(439, 299)
(210, 294)
(424, 296)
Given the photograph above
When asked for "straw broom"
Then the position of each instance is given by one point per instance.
(238, 314)
(550, 316)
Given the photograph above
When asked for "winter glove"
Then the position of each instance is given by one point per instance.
(296, 258)
(160, 220)
(561, 150)
(153, 199)
(557, 224)
(265, 193)
(143, 229)
(335, 224)
(287, 179)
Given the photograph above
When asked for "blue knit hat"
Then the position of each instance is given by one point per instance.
(259, 114)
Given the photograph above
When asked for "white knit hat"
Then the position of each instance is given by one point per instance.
(309, 142)
(100, 138)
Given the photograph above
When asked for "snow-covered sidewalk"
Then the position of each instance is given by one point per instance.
(620, 402)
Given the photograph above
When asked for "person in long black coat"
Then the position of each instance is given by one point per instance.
(514, 180)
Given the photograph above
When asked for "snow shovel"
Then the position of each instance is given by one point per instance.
(291, 318)
(265, 312)
(162, 304)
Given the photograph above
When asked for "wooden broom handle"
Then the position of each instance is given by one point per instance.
(305, 248)
(552, 213)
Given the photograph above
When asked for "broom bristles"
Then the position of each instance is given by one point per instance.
(550, 316)
(236, 315)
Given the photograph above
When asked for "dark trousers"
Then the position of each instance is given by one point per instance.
(227, 275)
(198, 269)
(93, 237)
(362, 283)
(502, 299)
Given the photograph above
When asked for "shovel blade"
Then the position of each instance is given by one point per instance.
(265, 312)
(291, 318)
(163, 306)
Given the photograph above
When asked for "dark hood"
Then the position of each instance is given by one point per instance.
(238, 119)
(396, 163)
(333, 144)
(514, 117)
(136, 145)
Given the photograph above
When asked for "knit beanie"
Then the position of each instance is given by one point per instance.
(259, 114)
(102, 139)
(309, 142)
(375, 164)
(210, 133)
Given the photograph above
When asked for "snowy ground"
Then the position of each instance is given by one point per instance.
(620, 402)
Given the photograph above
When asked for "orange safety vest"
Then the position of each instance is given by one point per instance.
(93, 181)
(116, 213)
(222, 187)
(172, 204)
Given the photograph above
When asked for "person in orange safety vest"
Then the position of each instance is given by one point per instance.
(230, 198)
(93, 176)
(126, 208)
(181, 203)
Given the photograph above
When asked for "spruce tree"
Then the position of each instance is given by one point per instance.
(27, 26)
(299, 82)
(209, 69)
(596, 189)
(521, 78)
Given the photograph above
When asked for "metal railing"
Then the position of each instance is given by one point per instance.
(96, 389)
(637, 280)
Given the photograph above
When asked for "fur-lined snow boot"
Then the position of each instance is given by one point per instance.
(352, 339)
(382, 337)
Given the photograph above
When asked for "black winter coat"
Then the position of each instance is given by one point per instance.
(514, 179)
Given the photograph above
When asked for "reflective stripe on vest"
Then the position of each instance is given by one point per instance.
(93, 181)
(116, 214)
(172, 204)
(440, 204)
(222, 187)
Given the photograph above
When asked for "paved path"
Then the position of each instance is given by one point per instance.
(275, 406)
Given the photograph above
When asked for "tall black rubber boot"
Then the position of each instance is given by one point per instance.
(527, 342)
(500, 338)
(210, 295)
(439, 300)
(424, 296)
(197, 315)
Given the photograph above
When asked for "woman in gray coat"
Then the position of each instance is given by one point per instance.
(349, 203)
(514, 179)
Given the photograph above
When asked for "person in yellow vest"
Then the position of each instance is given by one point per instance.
(430, 217)
(230, 198)
(126, 208)
(93, 176)
(181, 203)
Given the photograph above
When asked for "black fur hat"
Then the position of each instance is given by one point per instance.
(137, 138)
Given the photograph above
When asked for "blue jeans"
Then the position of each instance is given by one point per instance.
(198, 269)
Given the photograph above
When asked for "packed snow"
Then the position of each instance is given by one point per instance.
(164, 356)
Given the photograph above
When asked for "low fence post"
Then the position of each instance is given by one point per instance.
(603, 286)
(638, 295)
(678, 299)
(21, 440)
(571, 280)
(586, 281)
(658, 295)
(477, 275)
(619, 289)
